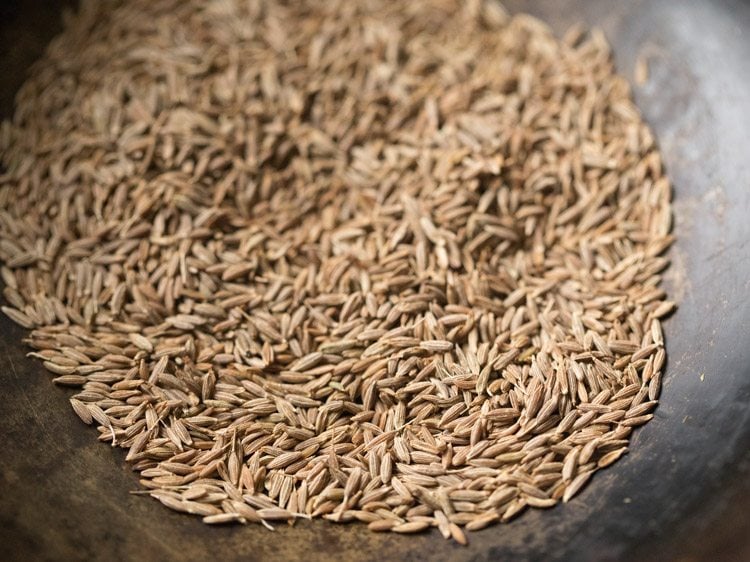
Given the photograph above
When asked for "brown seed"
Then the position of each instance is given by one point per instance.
(482, 521)
(411, 527)
(457, 534)
(222, 518)
(382, 525)
(578, 482)
(81, 411)
(274, 514)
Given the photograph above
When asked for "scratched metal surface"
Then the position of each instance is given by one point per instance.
(682, 494)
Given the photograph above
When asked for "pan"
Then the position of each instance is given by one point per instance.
(683, 493)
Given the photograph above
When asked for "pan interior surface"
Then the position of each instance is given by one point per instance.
(681, 488)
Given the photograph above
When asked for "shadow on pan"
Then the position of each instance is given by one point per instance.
(683, 493)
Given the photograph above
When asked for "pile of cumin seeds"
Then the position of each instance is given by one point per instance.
(387, 261)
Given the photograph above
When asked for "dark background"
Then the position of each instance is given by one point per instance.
(683, 493)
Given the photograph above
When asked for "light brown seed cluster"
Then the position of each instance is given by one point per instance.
(387, 261)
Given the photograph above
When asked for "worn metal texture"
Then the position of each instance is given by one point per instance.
(683, 493)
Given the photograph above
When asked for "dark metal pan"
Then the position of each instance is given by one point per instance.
(683, 493)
